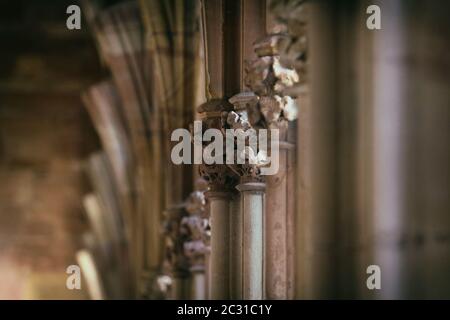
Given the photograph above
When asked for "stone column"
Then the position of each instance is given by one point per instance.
(198, 285)
(248, 224)
(196, 228)
(279, 233)
(245, 117)
(219, 282)
(252, 207)
(219, 195)
(272, 105)
(290, 45)
(236, 223)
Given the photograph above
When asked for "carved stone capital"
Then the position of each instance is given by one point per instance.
(245, 114)
(267, 76)
(293, 45)
(218, 176)
(196, 251)
(175, 260)
(187, 233)
(195, 227)
(195, 204)
(247, 172)
(273, 84)
(259, 75)
(277, 111)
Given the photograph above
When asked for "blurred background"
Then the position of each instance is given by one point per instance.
(45, 133)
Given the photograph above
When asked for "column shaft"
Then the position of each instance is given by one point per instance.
(252, 202)
(236, 247)
(219, 282)
(276, 233)
(198, 285)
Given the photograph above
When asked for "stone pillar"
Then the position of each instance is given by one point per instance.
(219, 195)
(236, 223)
(290, 21)
(291, 197)
(272, 105)
(198, 285)
(245, 116)
(252, 207)
(249, 246)
(195, 228)
(280, 208)
(219, 282)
